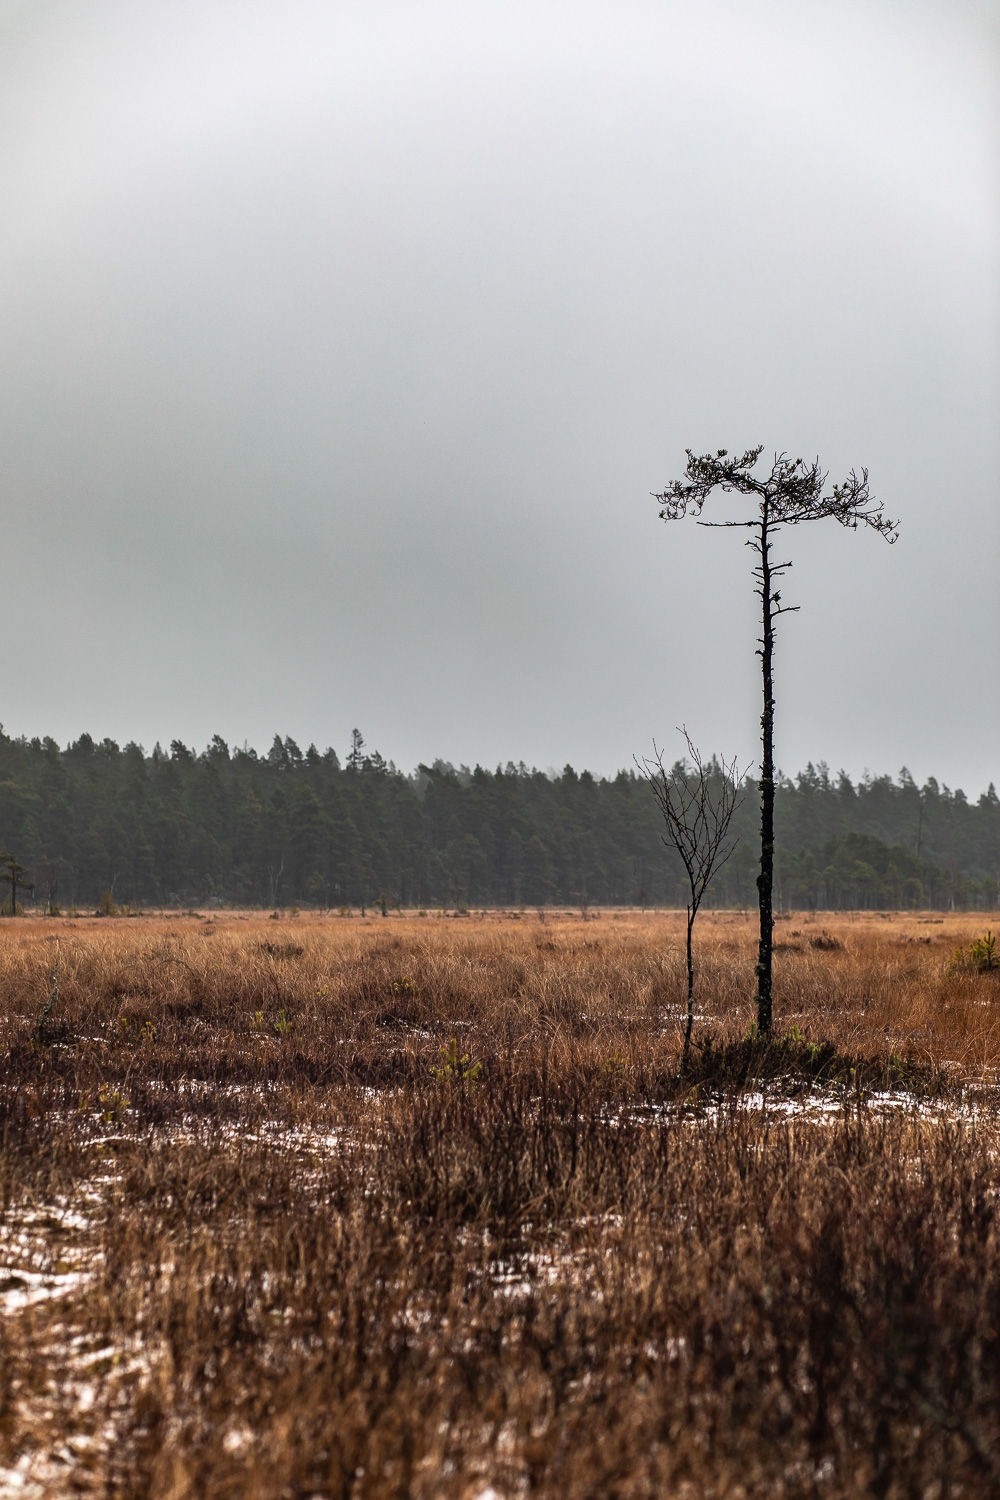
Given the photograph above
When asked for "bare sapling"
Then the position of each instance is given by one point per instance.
(697, 803)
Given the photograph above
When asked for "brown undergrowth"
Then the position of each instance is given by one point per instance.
(427, 1206)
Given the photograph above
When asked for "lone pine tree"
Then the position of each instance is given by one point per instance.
(791, 493)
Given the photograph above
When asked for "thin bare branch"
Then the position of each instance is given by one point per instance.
(697, 804)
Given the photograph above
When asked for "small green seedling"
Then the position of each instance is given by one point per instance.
(112, 1105)
(980, 955)
(455, 1069)
(983, 953)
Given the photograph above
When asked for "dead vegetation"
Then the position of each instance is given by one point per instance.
(412, 1207)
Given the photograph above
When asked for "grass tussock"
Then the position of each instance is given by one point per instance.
(417, 1208)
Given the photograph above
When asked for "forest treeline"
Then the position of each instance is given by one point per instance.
(232, 826)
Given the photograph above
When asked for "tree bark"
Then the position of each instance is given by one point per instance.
(690, 967)
(765, 880)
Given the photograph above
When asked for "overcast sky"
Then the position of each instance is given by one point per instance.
(342, 344)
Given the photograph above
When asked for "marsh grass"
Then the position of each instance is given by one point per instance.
(260, 1238)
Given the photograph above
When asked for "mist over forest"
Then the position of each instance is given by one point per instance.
(233, 826)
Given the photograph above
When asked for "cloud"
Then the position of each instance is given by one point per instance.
(341, 346)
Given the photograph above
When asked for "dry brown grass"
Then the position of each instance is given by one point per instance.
(260, 1239)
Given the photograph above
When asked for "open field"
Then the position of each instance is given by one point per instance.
(324, 1206)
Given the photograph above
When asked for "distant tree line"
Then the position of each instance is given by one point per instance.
(233, 826)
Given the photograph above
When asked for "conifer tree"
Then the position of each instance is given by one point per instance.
(14, 874)
(791, 493)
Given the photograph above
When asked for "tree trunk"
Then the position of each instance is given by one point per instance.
(765, 880)
(690, 964)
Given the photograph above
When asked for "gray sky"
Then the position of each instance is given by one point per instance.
(341, 345)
